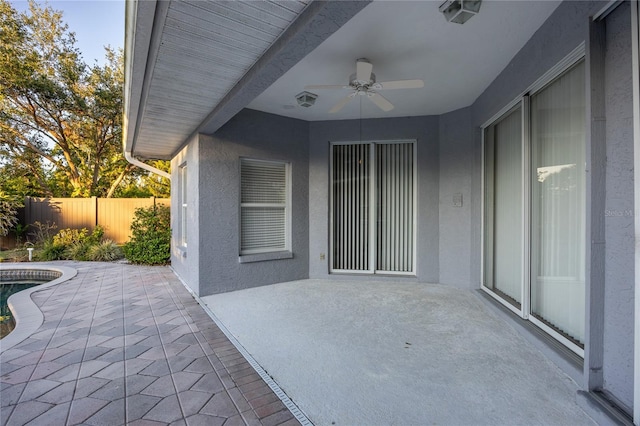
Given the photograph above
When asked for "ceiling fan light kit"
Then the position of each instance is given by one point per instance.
(363, 82)
(460, 11)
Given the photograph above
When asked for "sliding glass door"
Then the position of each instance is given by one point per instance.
(558, 205)
(503, 207)
(372, 198)
(535, 207)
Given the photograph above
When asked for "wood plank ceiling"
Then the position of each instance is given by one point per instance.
(205, 49)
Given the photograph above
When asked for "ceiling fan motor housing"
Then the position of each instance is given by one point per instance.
(360, 84)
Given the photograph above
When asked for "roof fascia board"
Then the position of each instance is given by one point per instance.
(314, 25)
(144, 22)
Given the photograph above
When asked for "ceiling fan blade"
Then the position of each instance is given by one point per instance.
(399, 84)
(326, 86)
(381, 101)
(363, 70)
(337, 107)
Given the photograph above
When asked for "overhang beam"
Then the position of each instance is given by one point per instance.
(318, 21)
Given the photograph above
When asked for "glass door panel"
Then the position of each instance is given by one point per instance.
(394, 199)
(372, 197)
(558, 205)
(350, 196)
(503, 239)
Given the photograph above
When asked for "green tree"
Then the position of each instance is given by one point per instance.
(60, 120)
(147, 184)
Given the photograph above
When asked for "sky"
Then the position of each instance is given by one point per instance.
(97, 23)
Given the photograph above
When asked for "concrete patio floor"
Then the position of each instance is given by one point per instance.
(123, 344)
(379, 353)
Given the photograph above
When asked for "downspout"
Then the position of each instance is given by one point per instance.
(131, 159)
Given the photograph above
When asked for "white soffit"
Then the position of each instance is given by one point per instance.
(206, 47)
(409, 40)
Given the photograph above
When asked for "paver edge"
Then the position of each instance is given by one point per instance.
(293, 408)
(27, 314)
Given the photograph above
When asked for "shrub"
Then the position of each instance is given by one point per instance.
(77, 251)
(76, 244)
(43, 232)
(150, 236)
(52, 251)
(106, 251)
(96, 235)
(67, 237)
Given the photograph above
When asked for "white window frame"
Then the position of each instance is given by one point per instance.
(251, 255)
(183, 204)
(577, 55)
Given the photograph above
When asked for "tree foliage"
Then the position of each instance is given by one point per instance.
(8, 213)
(60, 119)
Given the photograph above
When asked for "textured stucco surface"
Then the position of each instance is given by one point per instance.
(260, 136)
(185, 261)
(425, 131)
(619, 260)
(456, 166)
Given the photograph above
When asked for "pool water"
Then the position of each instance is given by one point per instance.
(7, 323)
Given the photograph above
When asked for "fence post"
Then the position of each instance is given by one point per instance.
(95, 211)
(27, 210)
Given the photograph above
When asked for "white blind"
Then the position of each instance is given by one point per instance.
(263, 221)
(350, 186)
(263, 182)
(558, 204)
(183, 210)
(372, 217)
(394, 201)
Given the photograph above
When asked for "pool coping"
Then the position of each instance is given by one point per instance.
(26, 313)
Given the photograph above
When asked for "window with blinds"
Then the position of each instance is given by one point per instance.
(264, 206)
(183, 205)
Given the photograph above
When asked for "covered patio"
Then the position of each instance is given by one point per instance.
(504, 165)
(363, 352)
(124, 344)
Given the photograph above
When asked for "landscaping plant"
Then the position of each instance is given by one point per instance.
(79, 244)
(150, 236)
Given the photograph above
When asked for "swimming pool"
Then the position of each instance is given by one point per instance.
(13, 281)
(7, 322)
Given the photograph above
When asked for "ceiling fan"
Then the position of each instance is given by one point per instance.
(363, 83)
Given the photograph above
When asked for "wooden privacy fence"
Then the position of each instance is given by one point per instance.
(113, 214)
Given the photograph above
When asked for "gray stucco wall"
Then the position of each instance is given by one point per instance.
(619, 228)
(261, 136)
(456, 166)
(185, 261)
(422, 129)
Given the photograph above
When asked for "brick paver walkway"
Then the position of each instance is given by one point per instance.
(124, 344)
